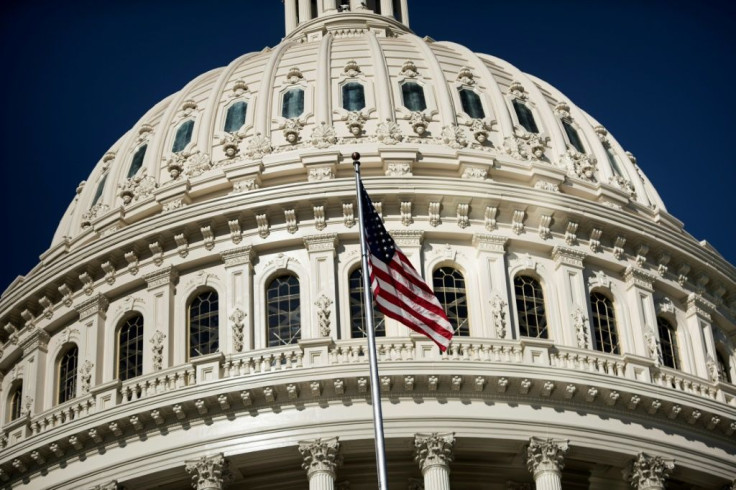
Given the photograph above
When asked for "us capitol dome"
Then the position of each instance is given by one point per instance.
(197, 320)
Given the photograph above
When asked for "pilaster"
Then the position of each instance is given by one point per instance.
(648, 472)
(92, 316)
(570, 282)
(323, 281)
(207, 472)
(160, 285)
(321, 460)
(239, 288)
(493, 279)
(410, 243)
(434, 453)
(698, 321)
(545, 460)
(34, 349)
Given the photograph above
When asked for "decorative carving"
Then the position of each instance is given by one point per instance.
(294, 75)
(137, 187)
(321, 456)
(292, 130)
(599, 279)
(352, 69)
(579, 165)
(648, 472)
(517, 222)
(434, 450)
(490, 218)
(230, 144)
(157, 346)
(348, 214)
(516, 89)
(623, 184)
(86, 375)
(355, 121)
(258, 146)
(182, 245)
(475, 173)
(132, 260)
(546, 186)
(524, 145)
(236, 235)
(713, 373)
(263, 225)
(405, 209)
(96, 305)
(653, 346)
(323, 136)
(546, 455)
(319, 174)
(419, 122)
(641, 255)
(454, 136)
(319, 217)
(480, 130)
(682, 273)
(463, 221)
(580, 322)
(246, 185)
(290, 217)
(398, 170)
(207, 472)
(95, 211)
(544, 227)
(434, 214)
(323, 304)
(498, 311)
(595, 240)
(409, 69)
(465, 76)
(389, 133)
(238, 319)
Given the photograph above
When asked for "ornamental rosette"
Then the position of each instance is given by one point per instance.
(258, 146)
(389, 133)
(197, 164)
(454, 136)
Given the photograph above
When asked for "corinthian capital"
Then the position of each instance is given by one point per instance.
(546, 455)
(321, 455)
(207, 472)
(433, 450)
(649, 472)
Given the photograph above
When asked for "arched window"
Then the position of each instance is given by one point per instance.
(525, 116)
(353, 96)
(605, 336)
(137, 162)
(668, 343)
(412, 95)
(449, 287)
(284, 313)
(100, 190)
(357, 309)
(293, 103)
(130, 348)
(613, 160)
(471, 103)
(235, 117)
(530, 307)
(572, 135)
(15, 405)
(204, 324)
(68, 374)
(724, 372)
(183, 136)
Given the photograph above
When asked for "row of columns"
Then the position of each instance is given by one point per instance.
(434, 453)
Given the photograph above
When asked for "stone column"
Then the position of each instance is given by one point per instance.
(387, 8)
(92, 315)
(545, 460)
(239, 289)
(34, 349)
(323, 281)
(574, 309)
(305, 11)
(434, 453)
(493, 281)
(207, 472)
(291, 18)
(410, 242)
(321, 459)
(648, 472)
(161, 295)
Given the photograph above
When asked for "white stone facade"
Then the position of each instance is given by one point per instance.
(232, 211)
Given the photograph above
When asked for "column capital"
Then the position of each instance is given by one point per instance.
(486, 242)
(546, 455)
(38, 339)
(641, 278)
(238, 256)
(326, 242)
(207, 472)
(648, 472)
(167, 275)
(434, 450)
(321, 456)
(568, 256)
(407, 238)
(697, 305)
(93, 306)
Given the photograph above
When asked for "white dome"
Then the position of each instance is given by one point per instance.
(199, 305)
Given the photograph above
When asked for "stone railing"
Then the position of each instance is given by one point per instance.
(158, 382)
(588, 361)
(63, 414)
(263, 361)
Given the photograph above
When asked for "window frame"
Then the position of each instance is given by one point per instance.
(468, 89)
(416, 82)
(15, 401)
(517, 102)
(294, 335)
(669, 344)
(460, 329)
(119, 331)
(379, 320)
(212, 313)
(70, 391)
(341, 94)
(227, 110)
(544, 314)
(575, 130)
(189, 122)
(595, 329)
(282, 101)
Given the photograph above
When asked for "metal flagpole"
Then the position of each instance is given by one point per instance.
(368, 303)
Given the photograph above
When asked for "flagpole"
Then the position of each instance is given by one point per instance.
(368, 303)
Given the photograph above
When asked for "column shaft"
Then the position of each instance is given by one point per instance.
(437, 477)
(291, 18)
(548, 480)
(321, 480)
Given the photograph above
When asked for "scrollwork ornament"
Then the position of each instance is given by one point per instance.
(419, 122)
(546, 455)
(498, 310)
(579, 165)
(480, 130)
(86, 376)
(230, 144)
(157, 346)
(323, 304)
(137, 187)
(323, 136)
(258, 146)
(434, 450)
(320, 456)
(95, 211)
(623, 184)
(580, 321)
(355, 121)
(649, 472)
(292, 130)
(454, 136)
(207, 472)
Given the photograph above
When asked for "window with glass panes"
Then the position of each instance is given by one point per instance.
(412, 96)
(68, 374)
(573, 137)
(530, 307)
(284, 311)
(16, 402)
(235, 116)
(605, 335)
(525, 116)
(204, 324)
(292, 103)
(353, 96)
(449, 287)
(357, 309)
(130, 348)
(668, 343)
(472, 106)
(100, 190)
(723, 367)
(137, 162)
(183, 136)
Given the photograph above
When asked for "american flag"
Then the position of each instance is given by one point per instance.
(399, 291)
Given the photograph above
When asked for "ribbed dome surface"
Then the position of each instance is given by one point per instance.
(216, 153)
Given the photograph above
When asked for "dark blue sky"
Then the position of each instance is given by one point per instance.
(77, 75)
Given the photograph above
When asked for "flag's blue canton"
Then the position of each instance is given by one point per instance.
(379, 241)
